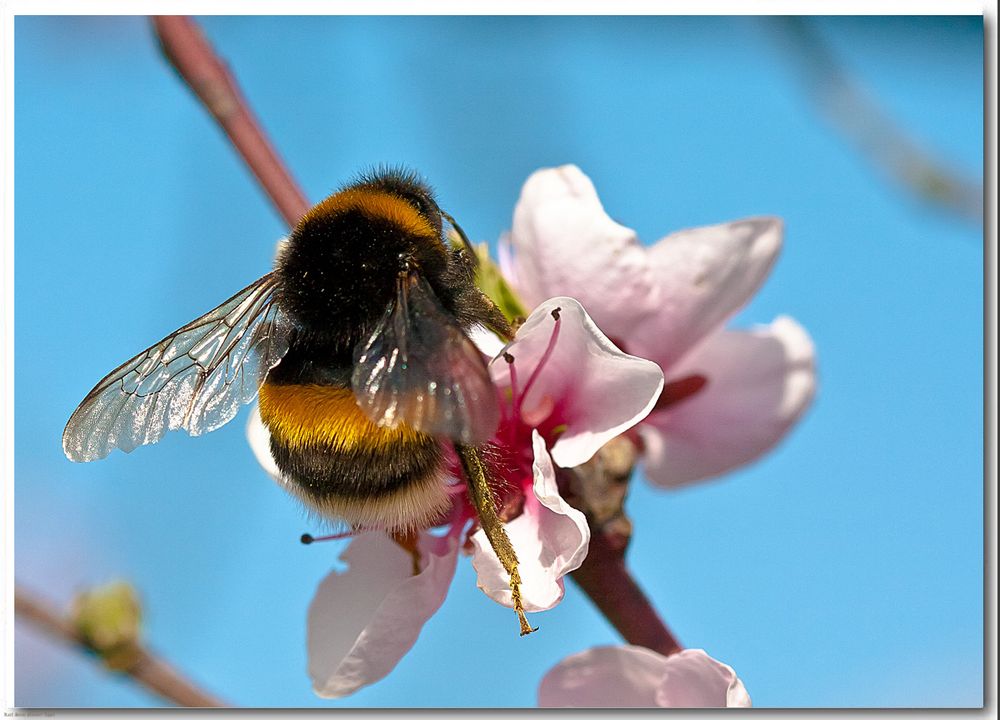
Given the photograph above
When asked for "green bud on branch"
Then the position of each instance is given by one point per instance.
(108, 619)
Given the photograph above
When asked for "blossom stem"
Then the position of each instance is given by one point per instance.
(147, 669)
(190, 54)
(610, 586)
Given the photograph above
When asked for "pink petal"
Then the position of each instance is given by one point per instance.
(656, 302)
(630, 676)
(259, 438)
(550, 538)
(610, 676)
(362, 621)
(759, 383)
(693, 679)
(506, 261)
(565, 244)
(585, 383)
(703, 276)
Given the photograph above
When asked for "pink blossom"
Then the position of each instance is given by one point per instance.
(631, 676)
(565, 390)
(730, 395)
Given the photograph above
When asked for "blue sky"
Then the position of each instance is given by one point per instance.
(844, 569)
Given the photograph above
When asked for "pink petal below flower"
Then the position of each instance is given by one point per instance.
(759, 383)
(362, 621)
(658, 301)
(630, 676)
(694, 679)
(549, 537)
(596, 390)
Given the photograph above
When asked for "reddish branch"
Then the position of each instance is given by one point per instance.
(598, 488)
(603, 576)
(205, 73)
(147, 669)
(611, 587)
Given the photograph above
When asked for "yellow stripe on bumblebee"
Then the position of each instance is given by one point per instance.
(376, 205)
(303, 416)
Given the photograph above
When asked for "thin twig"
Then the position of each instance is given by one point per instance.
(148, 670)
(190, 54)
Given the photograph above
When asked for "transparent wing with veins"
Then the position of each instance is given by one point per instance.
(194, 379)
(419, 368)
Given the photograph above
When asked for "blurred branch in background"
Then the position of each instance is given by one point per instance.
(603, 576)
(204, 72)
(855, 113)
(105, 622)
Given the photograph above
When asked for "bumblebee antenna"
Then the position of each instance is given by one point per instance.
(461, 234)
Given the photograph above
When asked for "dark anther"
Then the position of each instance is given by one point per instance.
(306, 539)
(509, 358)
(555, 313)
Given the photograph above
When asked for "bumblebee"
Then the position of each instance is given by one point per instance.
(357, 344)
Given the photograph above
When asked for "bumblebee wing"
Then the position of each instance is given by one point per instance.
(419, 368)
(195, 378)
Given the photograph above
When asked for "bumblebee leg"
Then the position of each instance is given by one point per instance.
(495, 321)
(475, 306)
(408, 541)
(485, 502)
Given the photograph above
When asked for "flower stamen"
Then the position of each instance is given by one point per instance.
(544, 359)
(509, 359)
(511, 422)
(308, 539)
